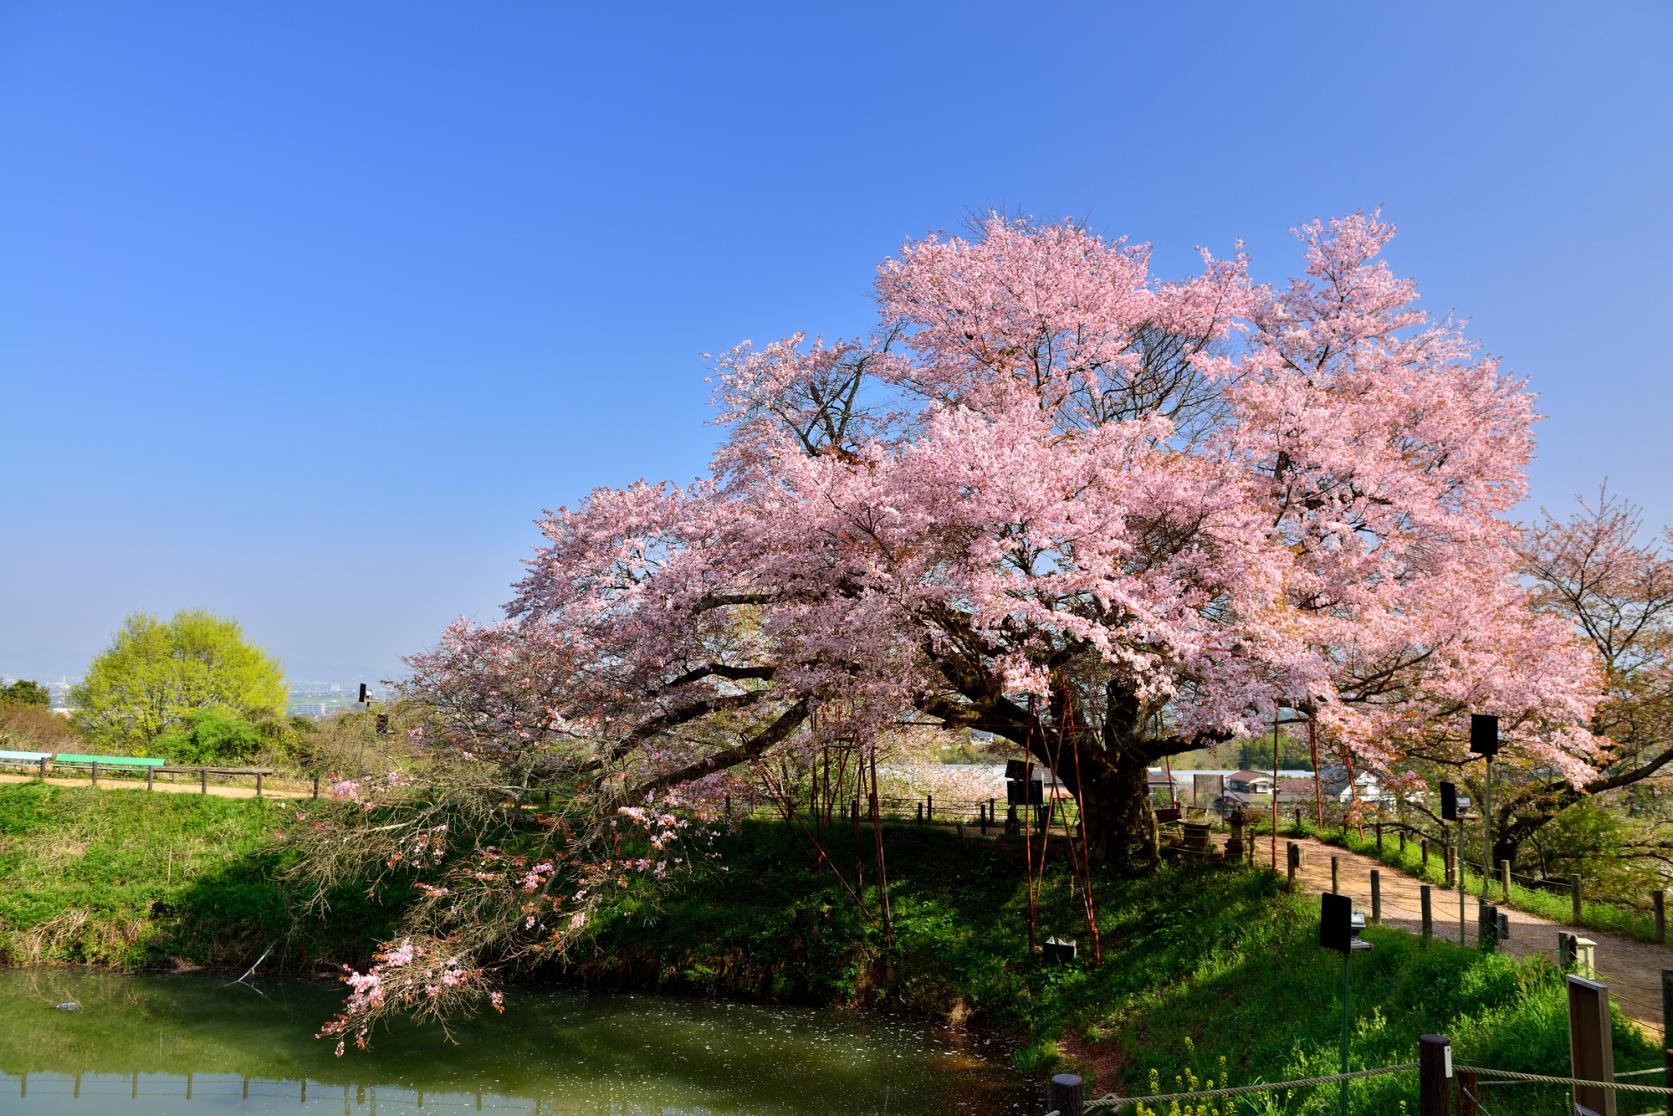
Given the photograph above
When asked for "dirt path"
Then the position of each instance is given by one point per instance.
(1632, 969)
(268, 789)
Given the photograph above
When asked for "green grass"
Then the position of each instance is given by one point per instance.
(1558, 907)
(1199, 965)
(135, 880)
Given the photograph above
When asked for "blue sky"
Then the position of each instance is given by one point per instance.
(308, 309)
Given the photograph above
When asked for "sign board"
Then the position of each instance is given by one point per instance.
(1336, 922)
(1591, 1047)
(1484, 734)
(1449, 802)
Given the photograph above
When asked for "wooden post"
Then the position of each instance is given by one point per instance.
(1064, 1095)
(1658, 907)
(1379, 828)
(1590, 1046)
(1446, 854)
(1376, 897)
(1565, 950)
(1466, 1093)
(1335, 876)
(920, 812)
(258, 784)
(929, 807)
(316, 784)
(1423, 847)
(203, 780)
(148, 773)
(1427, 896)
(95, 772)
(1297, 819)
(1434, 1066)
(43, 769)
(1504, 881)
(1294, 854)
(1574, 895)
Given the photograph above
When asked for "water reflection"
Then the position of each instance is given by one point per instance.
(149, 1045)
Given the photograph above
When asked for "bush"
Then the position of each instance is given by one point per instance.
(210, 736)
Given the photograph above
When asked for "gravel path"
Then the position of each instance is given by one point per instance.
(1632, 969)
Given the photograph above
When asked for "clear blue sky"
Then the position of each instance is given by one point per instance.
(306, 310)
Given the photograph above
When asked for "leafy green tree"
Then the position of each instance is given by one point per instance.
(25, 692)
(156, 672)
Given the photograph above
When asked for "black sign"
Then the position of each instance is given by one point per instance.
(1336, 914)
(1484, 734)
(1019, 793)
(1016, 769)
(1449, 802)
(362, 698)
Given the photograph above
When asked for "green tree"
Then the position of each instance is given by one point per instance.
(25, 692)
(154, 673)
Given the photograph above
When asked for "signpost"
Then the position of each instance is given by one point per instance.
(1449, 812)
(1339, 929)
(1484, 741)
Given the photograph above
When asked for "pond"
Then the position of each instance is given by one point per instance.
(193, 1043)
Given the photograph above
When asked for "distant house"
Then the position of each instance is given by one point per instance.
(1250, 782)
(1294, 790)
(1161, 787)
(1363, 787)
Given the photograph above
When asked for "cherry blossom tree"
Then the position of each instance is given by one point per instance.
(1599, 571)
(1105, 516)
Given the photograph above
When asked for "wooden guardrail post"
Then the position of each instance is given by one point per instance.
(203, 780)
(1434, 1067)
(95, 766)
(148, 774)
(43, 769)
(316, 791)
(1467, 1087)
(1658, 910)
(258, 784)
(1335, 876)
(1376, 897)
(1065, 1095)
(1574, 895)
(929, 807)
(1427, 898)
(1294, 855)
(1423, 848)
(1504, 881)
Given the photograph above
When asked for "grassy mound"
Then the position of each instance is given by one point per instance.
(135, 880)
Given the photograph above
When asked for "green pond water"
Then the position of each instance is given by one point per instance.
(146, 1045)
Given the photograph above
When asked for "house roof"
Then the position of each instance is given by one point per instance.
(1246, 776)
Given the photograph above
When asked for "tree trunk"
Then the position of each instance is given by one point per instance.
(1114, 800)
